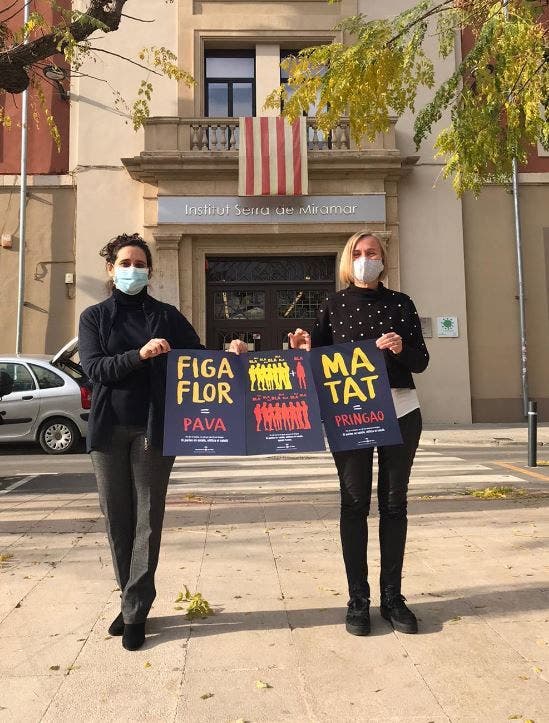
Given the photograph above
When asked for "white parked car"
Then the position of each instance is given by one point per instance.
(44, 399)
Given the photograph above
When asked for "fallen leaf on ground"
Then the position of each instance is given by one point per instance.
(147, 665)
(205, 696)
(54, 667)
(262, 685)
(496, 493)
(455, 619)
(537, 670)
(198, 606)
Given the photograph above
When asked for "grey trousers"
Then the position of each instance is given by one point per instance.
(132, 480)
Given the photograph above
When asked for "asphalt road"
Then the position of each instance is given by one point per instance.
(25, 469)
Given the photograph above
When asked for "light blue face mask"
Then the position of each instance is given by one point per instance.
(130, 280)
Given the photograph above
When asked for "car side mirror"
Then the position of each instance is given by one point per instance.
(6, 384)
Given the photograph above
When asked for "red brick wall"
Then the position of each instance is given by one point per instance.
(536, 163)
(43, 156)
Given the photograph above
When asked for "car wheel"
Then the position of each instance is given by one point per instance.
(58, 436)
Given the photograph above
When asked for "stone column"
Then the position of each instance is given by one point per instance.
(166, 273)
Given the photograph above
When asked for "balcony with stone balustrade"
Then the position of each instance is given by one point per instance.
(207, 148)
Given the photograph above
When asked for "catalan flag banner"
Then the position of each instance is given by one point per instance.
(272, 157)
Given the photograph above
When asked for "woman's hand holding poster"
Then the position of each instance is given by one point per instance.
(219, 403)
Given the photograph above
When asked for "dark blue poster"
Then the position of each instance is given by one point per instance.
(205, 393)
(219, 403)
(355, 398)
(282, 406)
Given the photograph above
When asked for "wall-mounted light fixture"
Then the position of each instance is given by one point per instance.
(57, 74)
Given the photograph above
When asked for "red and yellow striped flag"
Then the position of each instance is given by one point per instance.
(272, 158)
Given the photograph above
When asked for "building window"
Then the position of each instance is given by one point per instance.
(229, 83)
(315, 138)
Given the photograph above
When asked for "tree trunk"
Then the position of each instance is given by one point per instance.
(16, 62)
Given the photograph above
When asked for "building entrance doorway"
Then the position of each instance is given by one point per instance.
(261, 300)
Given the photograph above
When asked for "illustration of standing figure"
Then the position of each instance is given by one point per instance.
(286, 375)
(300, 371)
(277, 417)
(257, 415)
(266, 416)
(305, 412)
(252, 372)
(260, 375)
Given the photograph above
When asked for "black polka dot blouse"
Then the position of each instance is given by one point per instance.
(356, 314)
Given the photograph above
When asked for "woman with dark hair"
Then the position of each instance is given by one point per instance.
(123, 342)
(366, 309)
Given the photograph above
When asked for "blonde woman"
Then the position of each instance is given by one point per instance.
(366, 309)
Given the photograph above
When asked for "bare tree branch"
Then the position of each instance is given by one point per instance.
(128, 60)
(15, 61)
(5, 10)
(139, 20)
(5, 20)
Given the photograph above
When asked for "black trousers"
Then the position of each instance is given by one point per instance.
(355, 476)
(132, 480)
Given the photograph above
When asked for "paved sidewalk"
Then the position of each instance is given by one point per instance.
(477, 575)
(482, 435)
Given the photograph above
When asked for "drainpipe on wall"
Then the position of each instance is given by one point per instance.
(22, 206)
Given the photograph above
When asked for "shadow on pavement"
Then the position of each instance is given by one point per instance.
(471, 607)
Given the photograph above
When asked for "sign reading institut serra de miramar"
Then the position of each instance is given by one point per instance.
(271, 209)
(219, 403)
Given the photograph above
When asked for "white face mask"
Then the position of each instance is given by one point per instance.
(367, 270)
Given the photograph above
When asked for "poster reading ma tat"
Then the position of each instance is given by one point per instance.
(219, 403)
(355, 397)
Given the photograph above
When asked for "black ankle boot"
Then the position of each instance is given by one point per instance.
(394, 609)
(357, 620)
(117, 625)
(133, 636)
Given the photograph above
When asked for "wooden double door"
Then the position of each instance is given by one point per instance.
(261, 300)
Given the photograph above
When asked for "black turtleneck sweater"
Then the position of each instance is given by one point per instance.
(110, 335)
(130, 395)
(356, 314)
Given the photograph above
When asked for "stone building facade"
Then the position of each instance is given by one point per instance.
(259, 273)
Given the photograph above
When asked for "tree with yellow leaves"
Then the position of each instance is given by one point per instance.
(497, 97)
(70, 39)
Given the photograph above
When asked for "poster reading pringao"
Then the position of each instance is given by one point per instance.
(355, 397)
(219, 403)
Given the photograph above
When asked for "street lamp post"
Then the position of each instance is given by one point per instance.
(520, 278)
